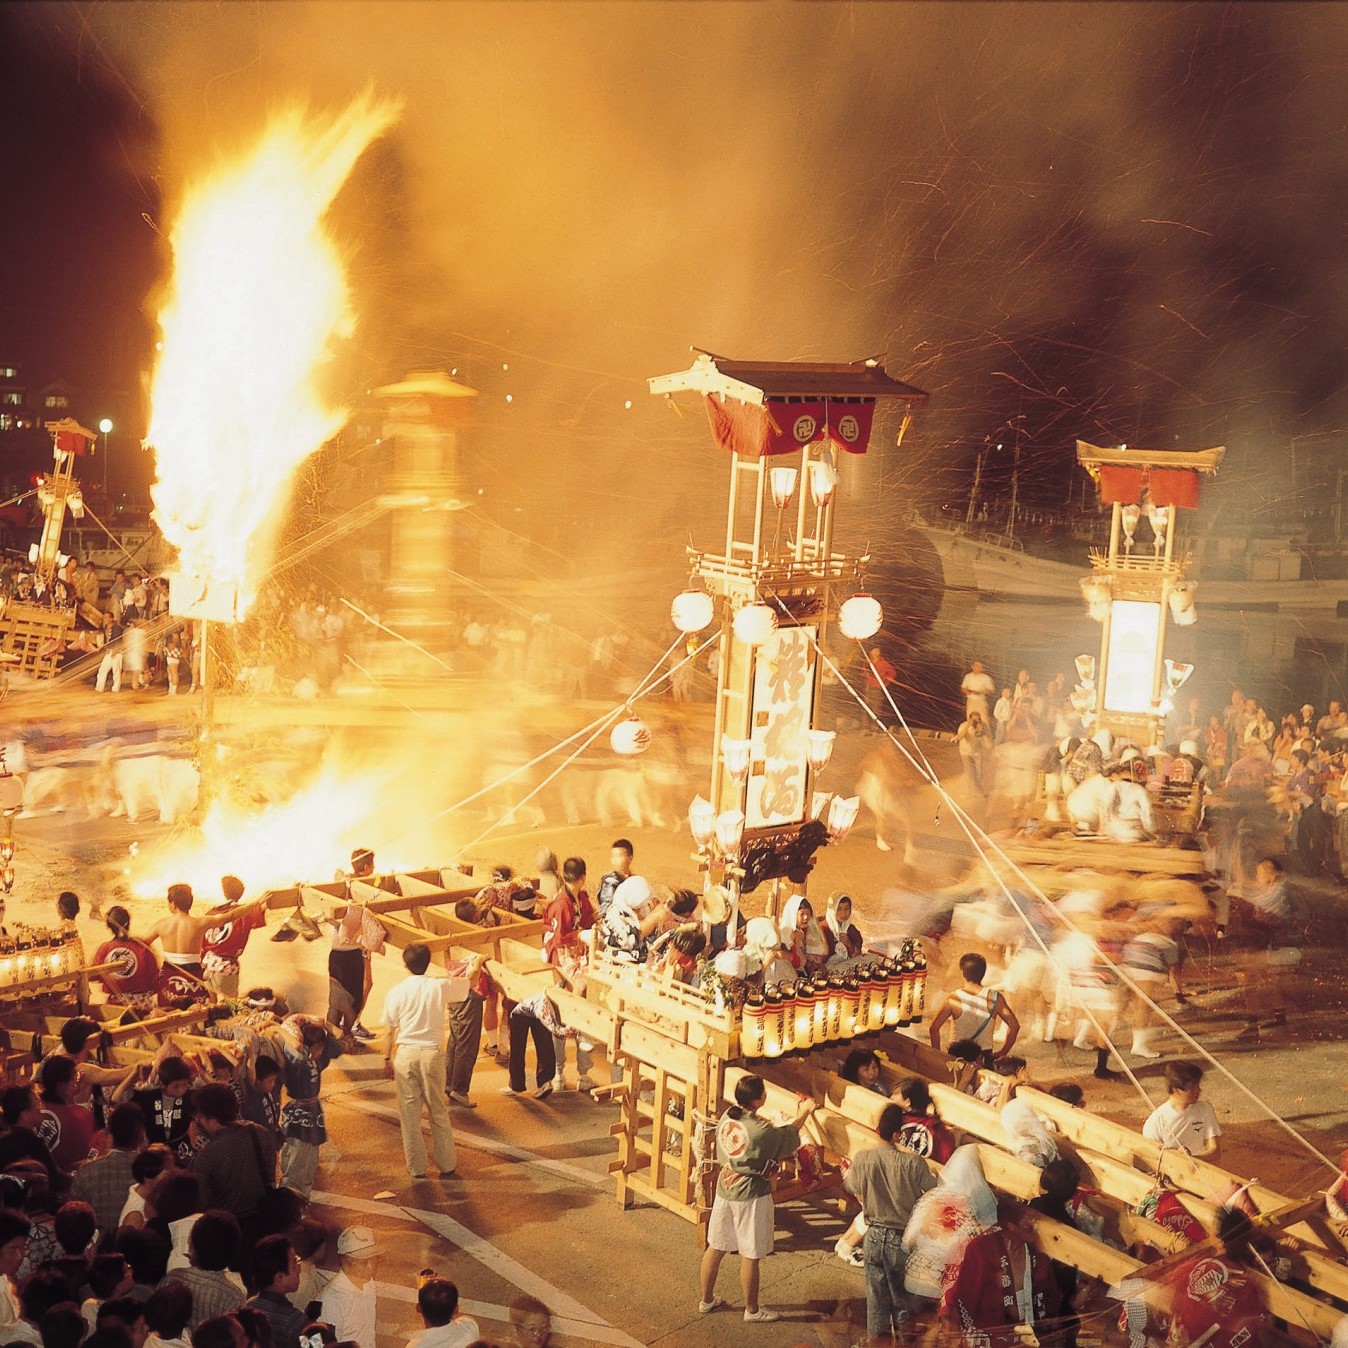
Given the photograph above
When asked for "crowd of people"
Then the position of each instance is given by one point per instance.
(1022, 740)
(167, 1203)
(170, 1200)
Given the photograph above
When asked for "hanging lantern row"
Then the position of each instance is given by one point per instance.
(794, 1018)
(823, 479)
(722, 832)
(859, 618)
(836, 813)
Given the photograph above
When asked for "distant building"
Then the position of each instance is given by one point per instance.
(13, 416)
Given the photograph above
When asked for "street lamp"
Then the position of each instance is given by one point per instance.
(105, 427)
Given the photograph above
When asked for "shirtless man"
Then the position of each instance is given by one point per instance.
(179, 933)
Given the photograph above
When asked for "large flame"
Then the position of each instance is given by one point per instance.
(304, 838)
(258, 301)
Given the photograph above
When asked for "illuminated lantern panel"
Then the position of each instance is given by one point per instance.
(1134, 634)
(702, 820)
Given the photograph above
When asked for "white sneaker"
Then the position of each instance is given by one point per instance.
(559, 1082)
(762, 1316)
(849, 1254)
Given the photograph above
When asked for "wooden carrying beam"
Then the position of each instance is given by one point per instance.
(844, 1135)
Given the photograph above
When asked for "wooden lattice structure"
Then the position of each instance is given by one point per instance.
(35, 634)
(416, 906)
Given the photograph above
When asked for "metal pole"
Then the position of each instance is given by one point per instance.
(207, 754)
(973, 491)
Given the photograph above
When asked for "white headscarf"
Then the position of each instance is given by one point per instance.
(786, 929)
(963, 1174)
(1030, 1140)
(621, 923)
(831, 915)
(760, 940)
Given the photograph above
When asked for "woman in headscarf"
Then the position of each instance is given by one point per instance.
(549, 878)
(943, 1222)
(762, 952)
(629, 920)
(841, 938)
(801, 938)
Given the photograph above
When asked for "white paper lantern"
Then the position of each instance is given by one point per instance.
(630, 737)
(783, 481)
(820, 748)
(860, 617)
(692, 610)
(1182, 610)
(1177, 674)
(702, 820)
(754, 624)
(823, 481)
(842, 814)
(735, 755)
(729, 831)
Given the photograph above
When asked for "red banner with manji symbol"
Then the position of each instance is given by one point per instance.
(849, 425)
(778, 428)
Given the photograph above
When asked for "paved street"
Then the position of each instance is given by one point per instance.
(533, 1209)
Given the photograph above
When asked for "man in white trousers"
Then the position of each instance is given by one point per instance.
(415, 1015)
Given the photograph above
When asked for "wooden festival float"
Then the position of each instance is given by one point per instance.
(681, 1050)
(1135, 591)
(33, 632)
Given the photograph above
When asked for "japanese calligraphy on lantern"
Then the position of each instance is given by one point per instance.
(783, 702)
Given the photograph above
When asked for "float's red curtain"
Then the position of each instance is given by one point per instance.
(787, 427)
(1163, 486)
(1174, 486)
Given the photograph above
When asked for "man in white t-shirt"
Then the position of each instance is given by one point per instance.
(1184, 1122)
(415, 1012)
(977, 688)
(348, 1303)
(438, 1306)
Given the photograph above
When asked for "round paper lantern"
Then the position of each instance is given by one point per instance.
(860, 617)
(692, 610)
(630, 737)
(755, 623)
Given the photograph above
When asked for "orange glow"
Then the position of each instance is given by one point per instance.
(257, 304)
(304, 839)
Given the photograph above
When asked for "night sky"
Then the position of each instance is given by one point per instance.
(1118, 222)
